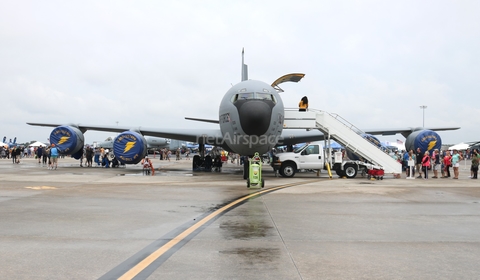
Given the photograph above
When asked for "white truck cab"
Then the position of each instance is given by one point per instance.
(308, 156)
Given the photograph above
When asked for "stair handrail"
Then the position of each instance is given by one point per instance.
(342, 121)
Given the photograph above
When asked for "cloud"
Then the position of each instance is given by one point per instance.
(153, 63)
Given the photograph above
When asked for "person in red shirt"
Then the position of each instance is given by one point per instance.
(426, 164)
(447, 162)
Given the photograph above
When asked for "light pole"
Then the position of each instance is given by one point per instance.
(423, 107)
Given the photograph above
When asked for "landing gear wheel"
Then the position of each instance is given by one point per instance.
(287, 170)
(196, 162)
(245, 169)
(350, 170)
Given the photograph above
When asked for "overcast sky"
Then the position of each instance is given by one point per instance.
(152, 63)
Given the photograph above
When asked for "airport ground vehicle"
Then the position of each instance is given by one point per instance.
(312, 156)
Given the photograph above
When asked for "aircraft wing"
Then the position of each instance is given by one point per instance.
(208, 136)
(294, 136)
(202, 120)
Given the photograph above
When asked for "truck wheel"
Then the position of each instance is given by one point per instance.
(350, 170)
(287, 170)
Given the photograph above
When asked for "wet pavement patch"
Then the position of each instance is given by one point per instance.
(245, 230)
(254, 255)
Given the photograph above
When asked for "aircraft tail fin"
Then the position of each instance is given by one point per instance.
(14, 140)
(4, 139)
(244, 68)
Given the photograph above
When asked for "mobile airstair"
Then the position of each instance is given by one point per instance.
(344, 133)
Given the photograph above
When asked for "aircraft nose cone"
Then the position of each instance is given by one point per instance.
(255, 117)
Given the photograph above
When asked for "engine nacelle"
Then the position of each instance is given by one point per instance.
(370, 138)
(426, 140)
(69, 140)
(129, 147)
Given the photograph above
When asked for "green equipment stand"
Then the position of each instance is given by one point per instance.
(255, 179)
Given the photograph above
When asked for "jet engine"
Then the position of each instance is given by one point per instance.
(129, 147)
(370, 138)
(69, 140)
(426, 140)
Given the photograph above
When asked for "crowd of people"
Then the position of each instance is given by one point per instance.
(48, 156)
(16, 152)
(439, 162)
(420, 163)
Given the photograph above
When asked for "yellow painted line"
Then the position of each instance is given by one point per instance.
(134, 271)
(41, 188)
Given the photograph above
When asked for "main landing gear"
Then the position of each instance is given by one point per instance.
(207, 163)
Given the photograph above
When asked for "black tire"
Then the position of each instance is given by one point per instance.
(350, 170)
(263, 183)
(288, 169)
(196, 162)
(245, 169)
(248, 183)
(339, 172)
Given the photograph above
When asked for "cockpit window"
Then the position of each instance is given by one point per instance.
(246, 96)
(253, 95)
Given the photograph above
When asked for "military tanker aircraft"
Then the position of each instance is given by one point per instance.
(251, 118)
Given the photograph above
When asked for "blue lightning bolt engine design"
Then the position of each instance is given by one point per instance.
(68, 139)
(130, 147)
(63, 139)
(426, 140)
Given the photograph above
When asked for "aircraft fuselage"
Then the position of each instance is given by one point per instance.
(251, 118)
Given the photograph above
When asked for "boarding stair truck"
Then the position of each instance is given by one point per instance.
(312, 156)
(346, 134)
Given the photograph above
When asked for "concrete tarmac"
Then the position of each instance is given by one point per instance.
(91, 223)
